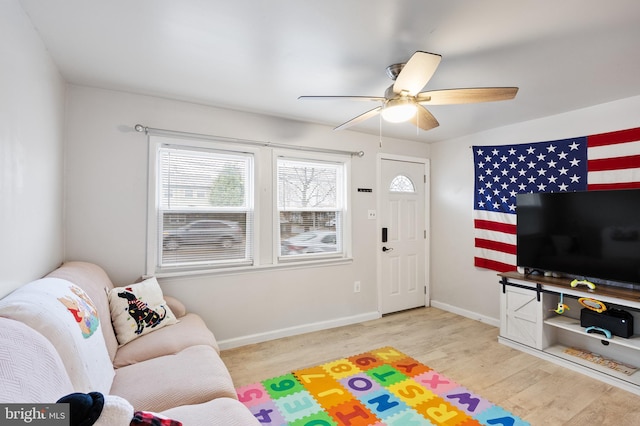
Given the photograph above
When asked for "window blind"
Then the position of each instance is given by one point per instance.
(310, 207)
(205, 207)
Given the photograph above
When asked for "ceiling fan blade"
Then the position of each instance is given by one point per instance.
(361, 117)
(351, 98)
(424, 119)
(466, 96)
(416, 72)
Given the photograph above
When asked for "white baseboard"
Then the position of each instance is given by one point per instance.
(292, 331)
(468, 314)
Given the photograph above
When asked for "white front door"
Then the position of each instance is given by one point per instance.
(404, 226)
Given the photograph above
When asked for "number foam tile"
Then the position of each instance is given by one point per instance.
(297, 406)
(282, 385)
(341, 368)
(366, 361)
(251, 395)
(268, 414)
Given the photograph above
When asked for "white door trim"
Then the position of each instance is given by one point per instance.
(427, 221)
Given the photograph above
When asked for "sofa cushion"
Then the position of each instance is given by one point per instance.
(190, 331)
(64, 314)
(219, 412)
(192, 376)
(30, 368)
(96, 283)
(138, 309)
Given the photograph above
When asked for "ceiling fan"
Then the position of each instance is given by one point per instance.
(403, 101)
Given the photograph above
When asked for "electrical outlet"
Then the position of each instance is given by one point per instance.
(356, 287)
(371, 214)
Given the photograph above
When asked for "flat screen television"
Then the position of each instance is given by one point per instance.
(593, 235)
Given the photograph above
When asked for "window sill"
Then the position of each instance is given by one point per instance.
(255, 268)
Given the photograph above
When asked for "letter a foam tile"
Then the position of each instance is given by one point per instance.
(500, 417)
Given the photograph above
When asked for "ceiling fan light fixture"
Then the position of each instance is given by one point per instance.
(398, 110)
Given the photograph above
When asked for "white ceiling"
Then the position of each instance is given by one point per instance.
(259, 55)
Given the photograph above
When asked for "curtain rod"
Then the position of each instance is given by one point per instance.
(164, 132)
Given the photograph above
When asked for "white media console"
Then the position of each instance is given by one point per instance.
(528, 323)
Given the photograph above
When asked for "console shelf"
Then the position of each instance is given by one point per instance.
(573, 325)
(559, 351)
(528, 322)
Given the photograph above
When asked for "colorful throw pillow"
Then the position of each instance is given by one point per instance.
(138, 309)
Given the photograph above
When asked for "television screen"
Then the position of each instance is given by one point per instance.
(592, 235)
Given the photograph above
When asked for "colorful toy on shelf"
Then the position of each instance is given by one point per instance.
(593, 304)
(576, 283)
(603, 331)
(561, 306)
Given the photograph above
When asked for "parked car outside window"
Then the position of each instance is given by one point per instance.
(203, 232)
(310, 242)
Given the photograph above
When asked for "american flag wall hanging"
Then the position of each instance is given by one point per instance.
(604, 161)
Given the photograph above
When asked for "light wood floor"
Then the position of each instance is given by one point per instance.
(466, 351)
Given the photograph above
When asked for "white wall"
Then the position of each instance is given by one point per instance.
(31, 153)
(455, 283)
(106, 184)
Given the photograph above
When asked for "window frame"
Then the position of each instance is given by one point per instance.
(266, 231)
(154, 241)
(344, 162)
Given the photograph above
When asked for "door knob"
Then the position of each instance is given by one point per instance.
(386, 249)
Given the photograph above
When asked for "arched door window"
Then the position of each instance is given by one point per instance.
(402, 183)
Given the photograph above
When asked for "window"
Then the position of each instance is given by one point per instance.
(219, 205)
(204, 207)
(311, 202)
(402, 183)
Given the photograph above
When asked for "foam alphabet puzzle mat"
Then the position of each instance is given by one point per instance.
(375, 388)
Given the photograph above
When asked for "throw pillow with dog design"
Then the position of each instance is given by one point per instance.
(138, 309)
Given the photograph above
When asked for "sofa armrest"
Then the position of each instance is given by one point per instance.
(176, 306)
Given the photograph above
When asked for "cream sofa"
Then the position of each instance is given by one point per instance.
(175, 370)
